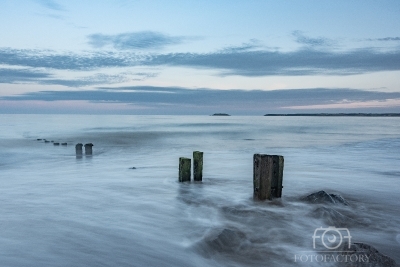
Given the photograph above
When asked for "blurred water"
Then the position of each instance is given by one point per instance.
(59, 210)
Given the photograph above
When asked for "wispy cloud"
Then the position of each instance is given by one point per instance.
(51, 4)
(246, 60)
(300, 62)
(69, 61)
(385, 39)
(29, 75)
(87, 80)
(98, 79)
(21, 75)
(183, 99)
(303, 39)
(134, 40)
(253, 44)
(351, 105)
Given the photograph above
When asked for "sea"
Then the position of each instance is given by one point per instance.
(124, 206)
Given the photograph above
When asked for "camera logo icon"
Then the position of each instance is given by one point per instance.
(331, 237)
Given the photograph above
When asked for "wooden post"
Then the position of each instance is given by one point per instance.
(184, 169)
(88, 149)
(78, 149)
(261, 177)
(267, 176)
(197, 165)
(277, 176)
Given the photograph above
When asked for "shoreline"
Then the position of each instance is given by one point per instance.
(338, 114)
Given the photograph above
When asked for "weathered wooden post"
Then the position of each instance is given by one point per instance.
(78, 149)
(276, 186)
(184, 169)
(197, 165)
(88, 149)
(267, 176)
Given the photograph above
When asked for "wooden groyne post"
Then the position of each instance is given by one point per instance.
(197, 165)
(267, 176)
(88, 149)
(78, 149)
(184, 169)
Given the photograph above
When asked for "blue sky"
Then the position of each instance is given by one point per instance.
(199, 57)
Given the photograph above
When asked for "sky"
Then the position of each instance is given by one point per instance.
(193, 57)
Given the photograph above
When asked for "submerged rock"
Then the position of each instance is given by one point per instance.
(333, 217)
(132, 168)
(370, 255)
(226, 240)
(241, 248)
(324, 197)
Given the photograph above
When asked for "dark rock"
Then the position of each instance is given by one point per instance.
(225, 240)
(375, 258)
(39, 139)
(64, 144)
(333, 217)
(46, 141)
(56, 144)
(324, 197)
(339, 199)
(133, 168)
(220, 114)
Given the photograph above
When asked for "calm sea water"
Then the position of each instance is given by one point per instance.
(60, 210)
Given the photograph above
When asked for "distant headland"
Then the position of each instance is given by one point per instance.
(339, 114)
(220, 114)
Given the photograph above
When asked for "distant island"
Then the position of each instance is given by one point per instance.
(220, 114)
(339, 114)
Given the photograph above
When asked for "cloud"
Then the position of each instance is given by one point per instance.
(302, 39)
(134, 40)
(66, 61)
(51, 4)
(211, 99)
(21, 75)
(251, 45)
(300, 62)
(15, 76)
(243, 61)
(85, 81)
(98, 79)
(386, 39)
(387, 103)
